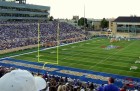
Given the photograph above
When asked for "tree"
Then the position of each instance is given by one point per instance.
(93, 26)
(75, 21)
(104, 23)
(82, 21)
(51, 18)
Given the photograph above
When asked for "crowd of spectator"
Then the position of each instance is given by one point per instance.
(4, 70)
(58, 83)
(18, 34)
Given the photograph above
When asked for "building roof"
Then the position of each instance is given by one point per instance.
(27, 6)
(128, 19)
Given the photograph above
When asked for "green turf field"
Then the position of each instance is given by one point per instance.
(91, 55)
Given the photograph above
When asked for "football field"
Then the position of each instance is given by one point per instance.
(98, 54)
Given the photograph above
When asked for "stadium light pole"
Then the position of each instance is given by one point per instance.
(84, 19)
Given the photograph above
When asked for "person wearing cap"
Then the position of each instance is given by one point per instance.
(21, 80)
(110, 86)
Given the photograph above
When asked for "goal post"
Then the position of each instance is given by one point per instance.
(57, 46)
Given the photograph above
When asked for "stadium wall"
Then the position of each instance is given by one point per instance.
(17, 49)
(130, 35)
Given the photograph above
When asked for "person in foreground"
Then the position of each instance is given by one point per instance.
(110, 86)
(21, 80)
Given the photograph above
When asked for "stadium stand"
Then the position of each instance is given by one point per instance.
(20, 34)
(59, 83)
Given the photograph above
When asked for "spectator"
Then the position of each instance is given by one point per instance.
(111, 86)
(101, 88)
(123, 88)
(21, 80)
(91, 86)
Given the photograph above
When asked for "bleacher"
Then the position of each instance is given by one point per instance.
(21, 34)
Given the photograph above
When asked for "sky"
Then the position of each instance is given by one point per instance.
(96, 9)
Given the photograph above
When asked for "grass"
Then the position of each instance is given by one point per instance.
(90, 55)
